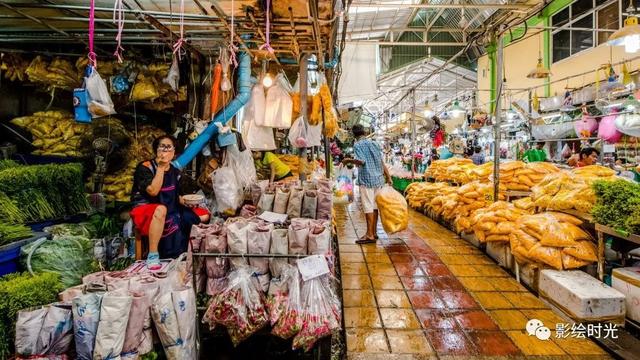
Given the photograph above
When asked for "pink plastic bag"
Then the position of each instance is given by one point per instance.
(586, 126)
(608, 131)
(319, 314)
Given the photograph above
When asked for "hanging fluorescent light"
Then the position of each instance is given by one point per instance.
(629, 35)
(456, 110)
(540, 72)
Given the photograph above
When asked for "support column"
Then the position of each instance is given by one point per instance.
(303, 109)
(497, 119)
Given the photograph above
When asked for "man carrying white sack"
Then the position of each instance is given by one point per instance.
(372, 175)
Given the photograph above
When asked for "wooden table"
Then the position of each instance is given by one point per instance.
(600, 231)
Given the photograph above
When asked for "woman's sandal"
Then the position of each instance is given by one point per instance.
(365, 240)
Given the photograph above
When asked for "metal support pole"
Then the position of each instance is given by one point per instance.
(303, 108)
(413, 134)
(497, 121)
(327, 155)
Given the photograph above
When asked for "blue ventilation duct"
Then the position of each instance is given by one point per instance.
(223, 116)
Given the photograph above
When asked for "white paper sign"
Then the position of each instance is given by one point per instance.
(609, 148)
(312, 266)
(272, 217)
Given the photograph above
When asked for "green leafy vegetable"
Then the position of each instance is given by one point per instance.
(20, 291)
(9, 211)
(5, 164)
(10, 233)
(617, 205)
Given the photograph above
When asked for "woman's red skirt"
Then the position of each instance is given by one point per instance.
(142, 215)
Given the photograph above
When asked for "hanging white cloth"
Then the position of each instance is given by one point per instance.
(358, 81)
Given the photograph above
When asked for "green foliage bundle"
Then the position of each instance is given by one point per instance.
(43, 192)
(10, 233)
(5, 164)
(617, 205)
(21, 291)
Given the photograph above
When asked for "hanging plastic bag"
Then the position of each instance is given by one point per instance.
(629, 124)
(259, 242)
(314, 135)
(319, 314)
(319, 238)
(309, 204)
(114, 314)
(566, 151)
(298, 134)
(173, 77)
(239, 307)
(243, 166)
(279, 245)
(394, 213)
(585, 126)
(279, 106)
(227, 192)
(258, 105)
(258, 138)
(281, 200)
(288, 320)
(100, 103)
(294, 207)
(607, 130)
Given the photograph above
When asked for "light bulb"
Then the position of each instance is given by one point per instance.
(632, 43)
(267, 80)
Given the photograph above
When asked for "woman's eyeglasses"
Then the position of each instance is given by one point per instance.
(166, 148)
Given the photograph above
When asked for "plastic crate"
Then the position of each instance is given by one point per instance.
(401, 184)
(10, 254)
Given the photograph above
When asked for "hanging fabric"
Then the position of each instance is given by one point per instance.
(177, 47)
(215, 88)
(118, 19)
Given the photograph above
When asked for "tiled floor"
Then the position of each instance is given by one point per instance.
(425, 293)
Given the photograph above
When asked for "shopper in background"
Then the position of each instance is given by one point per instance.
(160, 212)
(277, 169)
(535, 155)
(478, 156)
(372, 174)
(587, 156)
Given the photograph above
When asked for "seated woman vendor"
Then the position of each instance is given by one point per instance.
(160, 212)
(278, 169)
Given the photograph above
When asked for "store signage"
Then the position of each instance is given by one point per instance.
(313, 266)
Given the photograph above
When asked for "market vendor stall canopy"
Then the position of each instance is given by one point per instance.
(295, 26)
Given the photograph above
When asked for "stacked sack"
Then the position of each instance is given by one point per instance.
(458, 170)
(553, 239)
(472, 196)
(419, 194)
(570, 190)
(54, 132)
(312, 200)
(495, 222)
(526, 204)
(519, 176)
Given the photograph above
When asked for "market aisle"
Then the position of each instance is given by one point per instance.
(425, 291)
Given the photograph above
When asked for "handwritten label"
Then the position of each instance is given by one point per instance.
(312, 267)
(488, 194)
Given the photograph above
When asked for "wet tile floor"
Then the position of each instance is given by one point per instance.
(425, 293)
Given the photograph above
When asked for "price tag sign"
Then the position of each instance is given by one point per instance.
(312, 267)
(609, 148)
(488, 194)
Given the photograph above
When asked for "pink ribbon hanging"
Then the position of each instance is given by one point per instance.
(232, 47)
(177, 47)
(118, 19)
(267, 45)
(92, 55)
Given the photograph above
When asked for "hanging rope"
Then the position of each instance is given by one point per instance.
(177, 47)
(232, 47)
(92, 54)
(118, 19)
(267, 45)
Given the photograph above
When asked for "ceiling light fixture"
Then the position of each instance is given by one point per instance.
(629, 35)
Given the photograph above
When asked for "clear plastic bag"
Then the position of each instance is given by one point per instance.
(319, 313)
(258, 103)
(314, 135)
(239, 307)
(256, 137)
(173, 77)
(394, 212)
(227, 191)
(243, 166)
(298, 134)
(100, 103)
(286, 310)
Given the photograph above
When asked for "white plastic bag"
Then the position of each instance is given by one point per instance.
(258, 104)
(173, 77)
(100, 103)
(243, 166)
(629, 124)
(258, 138)
(114, 315)
(279, 106)
(226, 189)
(314, 135)
(298, 134)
